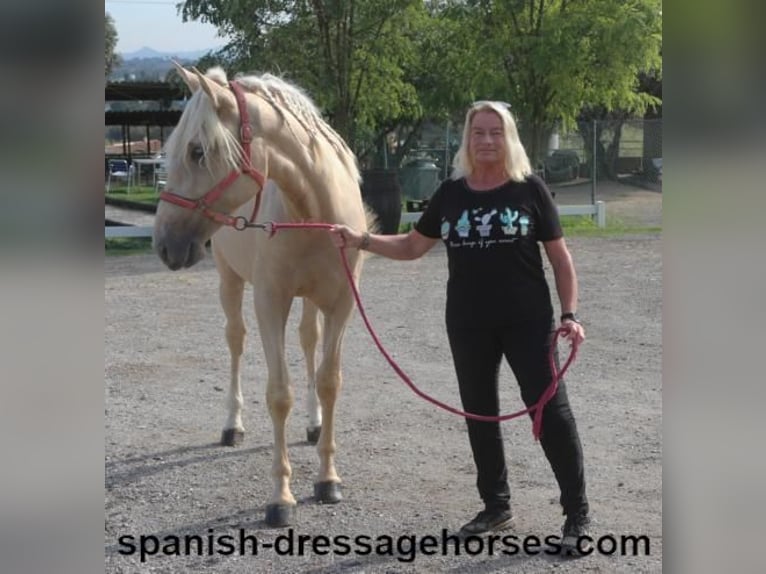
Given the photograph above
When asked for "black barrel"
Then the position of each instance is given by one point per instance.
(383, 195)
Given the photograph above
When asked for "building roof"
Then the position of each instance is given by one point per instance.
(142, 91)
(131, 91)
(143, 118)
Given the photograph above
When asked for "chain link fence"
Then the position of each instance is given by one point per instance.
(574, 165)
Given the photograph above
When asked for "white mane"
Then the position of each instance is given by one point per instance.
(200, 124)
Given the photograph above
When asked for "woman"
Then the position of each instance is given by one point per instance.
(491, 214)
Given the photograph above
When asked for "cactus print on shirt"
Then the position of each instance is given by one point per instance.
(492, 238)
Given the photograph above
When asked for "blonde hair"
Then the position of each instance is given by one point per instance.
(517, 164)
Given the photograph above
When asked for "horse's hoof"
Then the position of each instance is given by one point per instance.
(327, 492)
(280, 515)
(312, 434)
(232, 437)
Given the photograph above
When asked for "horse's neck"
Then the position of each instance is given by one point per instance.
(311, 177)
(273, 206)
(296, 200)
(309, 192)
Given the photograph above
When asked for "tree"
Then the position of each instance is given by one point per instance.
(559, 56)
(380, 67)
(603, 127)
(377, 68)
(347, 54)
(441, 72)
(111, 59)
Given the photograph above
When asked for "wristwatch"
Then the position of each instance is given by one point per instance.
(570, 317)
(365, 243)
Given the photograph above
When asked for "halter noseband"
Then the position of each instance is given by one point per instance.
(205, 203)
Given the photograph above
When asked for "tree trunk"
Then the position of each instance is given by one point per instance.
(652, 147)
(612, 152)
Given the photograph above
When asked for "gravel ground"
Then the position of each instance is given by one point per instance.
(406, 466)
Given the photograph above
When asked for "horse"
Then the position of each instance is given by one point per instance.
(258, 146)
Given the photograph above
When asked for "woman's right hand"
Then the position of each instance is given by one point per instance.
(344, 236)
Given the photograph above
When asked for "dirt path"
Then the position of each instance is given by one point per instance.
(631, 205)
(406, 467)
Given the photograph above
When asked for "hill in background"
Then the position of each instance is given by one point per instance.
(150, 65)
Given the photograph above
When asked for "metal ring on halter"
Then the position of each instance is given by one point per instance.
(246, 133)
(240, 223)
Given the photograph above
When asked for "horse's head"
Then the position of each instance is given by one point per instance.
(208, 164)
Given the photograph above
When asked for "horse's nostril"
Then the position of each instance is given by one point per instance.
(194, 254)
(189, 261)
(164, 253)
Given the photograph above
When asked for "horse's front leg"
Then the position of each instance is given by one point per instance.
(272, 309)
(309, 335)
(231, 289)
(329, 380)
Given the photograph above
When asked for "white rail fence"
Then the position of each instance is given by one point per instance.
(128, 231)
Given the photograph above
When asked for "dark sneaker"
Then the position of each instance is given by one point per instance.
(572, 541)
(487, 521)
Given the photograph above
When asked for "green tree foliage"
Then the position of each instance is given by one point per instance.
(111, 59)
(348, 54)
(442, 72)
(379, 67)
(559, 56)
(604, 127)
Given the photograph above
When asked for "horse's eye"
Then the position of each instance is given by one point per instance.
(196, 154)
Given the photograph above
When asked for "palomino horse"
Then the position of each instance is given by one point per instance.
(256, 149)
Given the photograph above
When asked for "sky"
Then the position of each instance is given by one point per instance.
(156, 24)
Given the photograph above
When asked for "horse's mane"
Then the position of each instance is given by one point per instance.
(200, 123)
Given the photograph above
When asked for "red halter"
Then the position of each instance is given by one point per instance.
(205, 203)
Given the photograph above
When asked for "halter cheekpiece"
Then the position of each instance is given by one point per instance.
(204, 204)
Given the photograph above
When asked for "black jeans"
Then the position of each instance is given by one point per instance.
(477, 353)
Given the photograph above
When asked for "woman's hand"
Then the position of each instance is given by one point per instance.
(574, 332)
(344, 236)
(403, 246)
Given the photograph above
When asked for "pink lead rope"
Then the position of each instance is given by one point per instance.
(538, 407)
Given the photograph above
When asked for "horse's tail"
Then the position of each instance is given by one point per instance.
(373, 226)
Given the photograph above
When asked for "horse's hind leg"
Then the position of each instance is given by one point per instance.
(309, 335)
(231, 289)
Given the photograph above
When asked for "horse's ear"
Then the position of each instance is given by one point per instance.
(220, 96)
(188, 78)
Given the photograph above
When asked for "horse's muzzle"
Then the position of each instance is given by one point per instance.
(177, 253)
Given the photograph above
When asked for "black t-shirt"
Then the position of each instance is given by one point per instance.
(496, 272)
